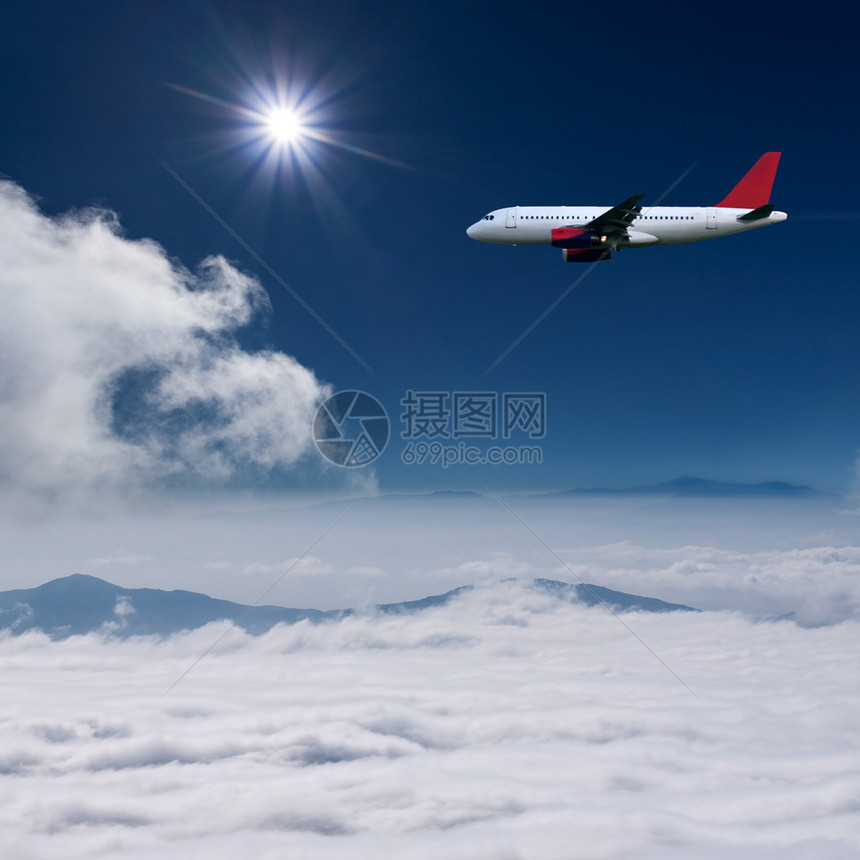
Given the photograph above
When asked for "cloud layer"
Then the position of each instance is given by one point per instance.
(796, 560)
(504, 725)
(120, 367)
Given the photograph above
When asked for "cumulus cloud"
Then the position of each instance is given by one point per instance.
(121, 368)
(504, 725)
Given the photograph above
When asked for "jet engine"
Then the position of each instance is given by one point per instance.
(575, 237)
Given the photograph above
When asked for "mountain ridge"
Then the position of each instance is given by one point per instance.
(80, 603)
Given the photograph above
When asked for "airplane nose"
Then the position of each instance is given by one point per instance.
(472, 231)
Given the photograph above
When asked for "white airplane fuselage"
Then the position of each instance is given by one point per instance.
(659, 225)
(590, 233)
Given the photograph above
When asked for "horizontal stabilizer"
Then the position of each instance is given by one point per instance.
(757, 214)
(754, 189)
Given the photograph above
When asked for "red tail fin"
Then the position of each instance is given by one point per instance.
(754, 189)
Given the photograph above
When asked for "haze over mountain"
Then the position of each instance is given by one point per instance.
(689, 485)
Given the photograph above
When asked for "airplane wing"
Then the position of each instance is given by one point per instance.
(614, 222)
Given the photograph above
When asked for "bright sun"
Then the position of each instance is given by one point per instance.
(284, 125)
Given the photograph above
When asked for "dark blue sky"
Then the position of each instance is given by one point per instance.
(735, 360)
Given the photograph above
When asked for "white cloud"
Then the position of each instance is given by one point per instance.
(119, 558)
(308, 565)
(124, 607)
(120, 367)
(504, 725)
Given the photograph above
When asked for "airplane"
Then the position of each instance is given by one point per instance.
(588, 234)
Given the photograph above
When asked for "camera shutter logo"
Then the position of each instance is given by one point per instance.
(351, 428)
